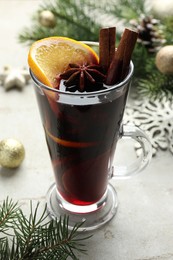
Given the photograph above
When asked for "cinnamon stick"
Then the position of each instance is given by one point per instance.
(121, 61)
(112, 39)
(107, 39)
(131, 37)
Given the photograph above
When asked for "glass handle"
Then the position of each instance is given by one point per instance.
(135, 133)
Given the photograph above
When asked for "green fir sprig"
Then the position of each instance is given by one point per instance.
(8, 212)
(71, 20)
(36, 236)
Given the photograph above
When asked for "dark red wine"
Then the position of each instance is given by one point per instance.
(81, 139)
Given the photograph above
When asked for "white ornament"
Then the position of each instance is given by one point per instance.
(162, 8)
(14, 78)
(155, 117)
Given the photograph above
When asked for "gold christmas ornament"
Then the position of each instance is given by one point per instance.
(164, 60)
(12, 153)
(47, 19)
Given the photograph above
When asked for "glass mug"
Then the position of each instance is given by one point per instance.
(82, 130)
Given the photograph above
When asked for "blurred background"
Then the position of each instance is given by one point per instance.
(14, 15)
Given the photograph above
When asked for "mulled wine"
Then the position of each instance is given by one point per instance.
(81, 135)
(81, 98)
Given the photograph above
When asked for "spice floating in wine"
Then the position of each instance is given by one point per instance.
(83, 77)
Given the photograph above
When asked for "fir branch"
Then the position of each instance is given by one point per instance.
(37, 237)
(29, 35)
(127, 9)
(9, 212)
(140, 57)
(71, 15)
(72, 21)
(152, 87)
(167, 28)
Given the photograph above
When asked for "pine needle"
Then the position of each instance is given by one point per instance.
(36, 237)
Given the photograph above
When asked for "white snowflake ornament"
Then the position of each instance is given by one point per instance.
(155, 117)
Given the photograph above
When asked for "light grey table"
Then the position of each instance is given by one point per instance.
(143, 226)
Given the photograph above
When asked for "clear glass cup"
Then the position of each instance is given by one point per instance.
(82, 131)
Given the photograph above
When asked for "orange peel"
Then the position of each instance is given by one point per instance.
(51, 56)
(71, 144)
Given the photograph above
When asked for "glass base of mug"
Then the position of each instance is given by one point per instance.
(93, 216)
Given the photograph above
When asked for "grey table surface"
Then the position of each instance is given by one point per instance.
(143, 226)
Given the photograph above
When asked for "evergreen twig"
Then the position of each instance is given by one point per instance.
(82, 19)
(9, 212)
(36, 237)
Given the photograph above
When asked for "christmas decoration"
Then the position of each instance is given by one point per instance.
(12, 153)
(14, 78)
(47, 19)
(150, 35)
(36, 237)
(82, 20)
(162, 8)
(155, 117)
(164, 60)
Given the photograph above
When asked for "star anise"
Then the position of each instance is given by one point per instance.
(83, 77)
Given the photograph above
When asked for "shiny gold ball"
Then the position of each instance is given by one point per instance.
(164, 60)
(12, 153)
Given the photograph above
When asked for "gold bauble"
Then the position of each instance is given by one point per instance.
(12, 153)
(164, 60)
(47, 19)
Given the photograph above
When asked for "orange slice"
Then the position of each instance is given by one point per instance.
(71, 144)
(51, 56)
